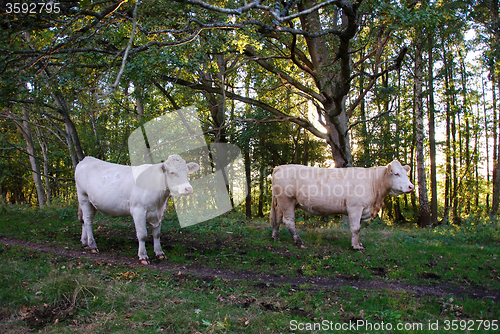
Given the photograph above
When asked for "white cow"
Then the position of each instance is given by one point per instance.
(141, 192)
(356, 192)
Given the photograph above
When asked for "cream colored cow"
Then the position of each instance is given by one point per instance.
(356, 192)
(140, 191)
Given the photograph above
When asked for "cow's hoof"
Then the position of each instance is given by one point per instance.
(160, 257)
(359, 248)
(94, 251)
(144, 262)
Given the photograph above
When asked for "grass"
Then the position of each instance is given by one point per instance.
(51, 293)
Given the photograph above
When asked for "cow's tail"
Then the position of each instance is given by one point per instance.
(80, 214)
(275, 224)
(272, 214)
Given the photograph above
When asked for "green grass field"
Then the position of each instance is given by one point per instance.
(227, 276)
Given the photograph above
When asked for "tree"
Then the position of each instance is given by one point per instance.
(306, 52)
(425, 219)
(432, 128)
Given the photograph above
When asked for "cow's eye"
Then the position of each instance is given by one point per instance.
(396, 174)
(173, 173)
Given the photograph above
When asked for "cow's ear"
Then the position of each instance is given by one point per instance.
(407, 168)
(389, 168)
(193, 167)
(164, 168)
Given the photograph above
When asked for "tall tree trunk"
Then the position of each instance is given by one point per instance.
(365, 143)
(70, 145)
(496, 130)
(486, 136)
(332, 81)
(262, 170)
(30, 147)
(467, 115)
(454, 151)
(44, 147)
(248, 200)
(454, 177)
(425, 218)
(496, 168)
(447, 191)
(432, 132)
(476, 158)
(496, 183)
(305, 154)
(413, 199)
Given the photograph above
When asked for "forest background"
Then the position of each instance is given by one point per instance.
(321, 83)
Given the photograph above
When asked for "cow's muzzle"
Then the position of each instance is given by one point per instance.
(181, 189)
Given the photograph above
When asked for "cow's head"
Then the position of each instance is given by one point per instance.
(176, 171)
(399, 177)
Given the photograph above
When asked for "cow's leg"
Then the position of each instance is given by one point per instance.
(276, 218)
(88, 213)
(156, 240)
(289, 221)
(355, 224)
(139, 217)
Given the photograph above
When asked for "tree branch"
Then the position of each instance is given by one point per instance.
(127, 50)
(249, 51)
(368, 120)
(297, 120)
(396, 65)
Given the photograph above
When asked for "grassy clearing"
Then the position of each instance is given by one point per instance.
(55, 294)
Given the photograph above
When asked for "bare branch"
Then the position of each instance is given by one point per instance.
(297, 120)
(251, 52)
(235, 11)
(368, 120)
(127, 50)
(396, 64)
(278, 16)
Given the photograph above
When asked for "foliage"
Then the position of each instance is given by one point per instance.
(61, 69)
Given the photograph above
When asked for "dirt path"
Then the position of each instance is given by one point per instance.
(262, 279)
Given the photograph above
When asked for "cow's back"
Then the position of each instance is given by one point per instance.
(107, 186)
(325, 190)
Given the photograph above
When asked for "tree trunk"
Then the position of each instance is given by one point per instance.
(496, 167)
(496, 127)
(476, 158)
(467, 115)
(365, 142)
(332, 81)
(43, 146)
(454, 177)
(447, 188)
(486, 136)
(305, 155)
(248, 200)
(432, 133)
(260, 211)
(30, 147)
(496, 184)
(425, 218)
(412, 155)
